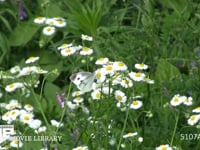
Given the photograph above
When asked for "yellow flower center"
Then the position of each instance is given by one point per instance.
(26, 118)
(163, 147)
(16, 142)
(98, 95)
(31, 58)
(11, 86)
(192, 117)
(141, 65)
(120, 64)
(119, 97)
(29, 106)
(48, 29)
(67, 50)
(85, 49)
(109, 68)
(40, 18)
(13, 113)
(130, 134)
(126, 81)
(98, 75)
(135, 102)
(79, 148)
(176, 99)
(11, 107)
(101, 59)
(78, 98)
(138, 75)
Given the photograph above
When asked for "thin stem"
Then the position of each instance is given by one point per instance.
(175, 127)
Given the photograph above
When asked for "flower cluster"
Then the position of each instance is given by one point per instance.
(51, 24)
(178, 100)
(70, 49)
(18, 72)
(194, 118)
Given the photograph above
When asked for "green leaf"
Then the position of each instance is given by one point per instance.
(23, 33)
(4, 47)
(165, 71)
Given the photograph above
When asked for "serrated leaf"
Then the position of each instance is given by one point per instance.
(165, 71)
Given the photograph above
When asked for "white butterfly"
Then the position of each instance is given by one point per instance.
(83, 80)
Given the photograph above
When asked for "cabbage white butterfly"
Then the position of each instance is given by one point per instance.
(83, 80)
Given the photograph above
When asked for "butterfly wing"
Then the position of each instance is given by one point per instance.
(83, 80)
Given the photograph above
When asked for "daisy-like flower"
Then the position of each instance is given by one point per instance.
(12, 87)
(141, 66)
(81, 148)
(7, 117)
(77, 93)
(100, 76)
(40, 20)
(136, 104)
(35, 124)
(193, 119)
(140, 139)
(149, 81)
(196, 110)
(120, 96)
(108, 69)
(78, 100)
(56, 123)
(14, 114)
(130, 134)
(96, 94)
(26, 117)
(28, 107)
(71, 105)
(119, 66)
(187, 100)
(102, 61)
(86, 51)
(64, 46)
(50, 21)
(49, 30)
(137, 76)
(40, 71)
(164, 147)
(15, 103)
(107, 90)
(31, 59)
(86, 37)
(16, 144)
(27, 71)
(176, 100)
(10, 106)
(15, 69)
(68, 51)
(60, 23)
(126, 83)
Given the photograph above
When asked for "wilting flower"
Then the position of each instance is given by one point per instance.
(56, 123)
(86, 37)
(64, 46)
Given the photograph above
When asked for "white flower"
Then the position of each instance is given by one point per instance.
(196, 110)
(81, 148)
(40, 20)
(31, 59)
(78, 100)
(107, 90)
(100, 76)
(64, 46)
(14, 114)
(26, 118)
(126, 83)
(86, 37)
(16, 144)
(12, 87)
(7, 117)
(130, 134)
(187, 100)
(68, 51)
(50, 21)
(140, 139)
(71, 105)
(60, 23)
(28, 107)
(164, 147)
(49, 30)
(15, 69)
(86, 51)
(102, 61)
(120, 96)
(193, 119)
(141, 66)
(96, 94)
(77, 93)
(108, 69)
(34, 124)
(137, 76)
(176, 100)
(40, 71)
(136, 104)
(149, 81)
(119, 65)
(56, 123)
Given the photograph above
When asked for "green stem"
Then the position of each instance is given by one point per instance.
(173, 135)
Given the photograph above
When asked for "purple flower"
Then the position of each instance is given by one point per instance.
(60, 99)
(22, 14)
